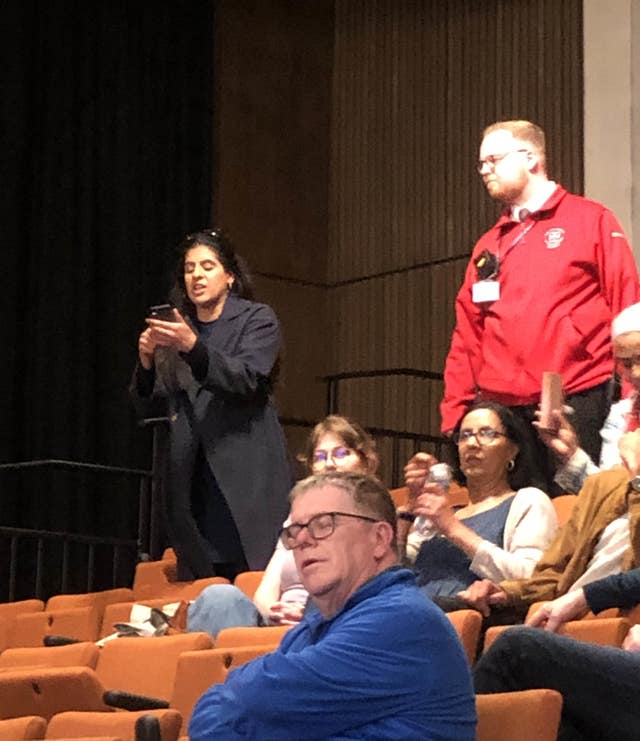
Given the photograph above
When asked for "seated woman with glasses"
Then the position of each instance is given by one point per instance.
(503, 530)
(335, 444)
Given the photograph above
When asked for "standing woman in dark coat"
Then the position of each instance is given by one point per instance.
(215, 363)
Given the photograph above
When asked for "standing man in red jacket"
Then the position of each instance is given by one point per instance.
(539, 294)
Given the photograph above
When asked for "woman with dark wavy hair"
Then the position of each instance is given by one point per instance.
(215, 362)
(503, 529)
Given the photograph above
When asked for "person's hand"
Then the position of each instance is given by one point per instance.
(482, 594)
(146, 348)
(632, 641)
(551, 616)
(177, 334)
(416, 472)
(629, 448)
(434, 505)
(286, 613)
(561, 438)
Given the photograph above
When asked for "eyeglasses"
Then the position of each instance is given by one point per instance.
(337, 455)
(628, 363)
(483, 436)
(492, 160)
(319, 527)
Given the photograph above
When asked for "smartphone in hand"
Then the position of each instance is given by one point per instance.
(163, 312)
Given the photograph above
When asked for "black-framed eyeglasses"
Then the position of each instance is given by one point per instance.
(491, 160)
(319, 527)
(483, 436)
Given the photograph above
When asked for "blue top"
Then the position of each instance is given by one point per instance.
(389, 665)
(444, 569)
(617, 590)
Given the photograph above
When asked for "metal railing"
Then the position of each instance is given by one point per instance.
(35, 547)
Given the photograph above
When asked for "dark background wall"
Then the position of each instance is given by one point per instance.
(335, 141)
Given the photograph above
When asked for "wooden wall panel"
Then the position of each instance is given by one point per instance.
(414, 84)
(348, 133)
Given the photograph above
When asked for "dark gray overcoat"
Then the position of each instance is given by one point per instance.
(221, 400)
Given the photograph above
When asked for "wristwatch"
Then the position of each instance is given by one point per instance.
(635, 483)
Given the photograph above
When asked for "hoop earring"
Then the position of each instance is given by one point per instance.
(511, 465)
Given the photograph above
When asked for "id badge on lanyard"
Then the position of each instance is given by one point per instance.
(484, 291)
(487, 289)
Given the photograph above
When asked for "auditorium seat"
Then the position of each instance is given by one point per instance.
(563, 505)
(194, 673)
(81, 623)
(467, 624)
(457, 495)
(10, 610)
(198, 670)
(602, 631)
(76, 725)
(75, 654)
(144, 666)
(27, 727)
(248, 582)
(533, 715)
(157, 586)
(99, 600)
(251, 636)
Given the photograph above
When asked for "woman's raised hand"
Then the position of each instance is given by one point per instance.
(416, 472)
(176, 334)
(146, 348)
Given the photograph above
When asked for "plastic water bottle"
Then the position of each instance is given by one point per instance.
(440, 473)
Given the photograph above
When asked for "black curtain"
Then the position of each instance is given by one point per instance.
(107, 128)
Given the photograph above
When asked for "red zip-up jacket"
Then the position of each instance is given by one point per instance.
(564, 274)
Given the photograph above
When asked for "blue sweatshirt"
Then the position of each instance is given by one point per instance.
(389, 665)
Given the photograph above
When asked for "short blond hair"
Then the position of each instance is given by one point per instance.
(525, 131)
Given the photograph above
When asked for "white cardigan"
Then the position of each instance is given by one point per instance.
(530, 527)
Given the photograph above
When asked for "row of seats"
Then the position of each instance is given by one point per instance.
(74, 678)
(176, 670)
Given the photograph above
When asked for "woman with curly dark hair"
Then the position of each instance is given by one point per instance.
(214, 359)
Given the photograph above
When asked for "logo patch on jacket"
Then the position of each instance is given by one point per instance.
(554, 237)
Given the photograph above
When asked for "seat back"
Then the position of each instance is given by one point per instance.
(400, 495)
(171, 591)
(457, 495)
(28, 727)
(601, 631)
(111, 725)
(120, 612)
(75, 654)
(563, 506)
(10, 610)
(251, 636)
(82, 623)
(198, 670)
(467, 624)
(99, 600)
(49, 690)
(248, 582)
(146, 666)
(152, 577)
(512, 716)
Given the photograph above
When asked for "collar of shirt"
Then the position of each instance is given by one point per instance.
(536, 201)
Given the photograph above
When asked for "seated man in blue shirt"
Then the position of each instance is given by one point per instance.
(599, 684)
(376, 659)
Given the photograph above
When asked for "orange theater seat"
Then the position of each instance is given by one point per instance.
(533, 715)
(28, 727)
